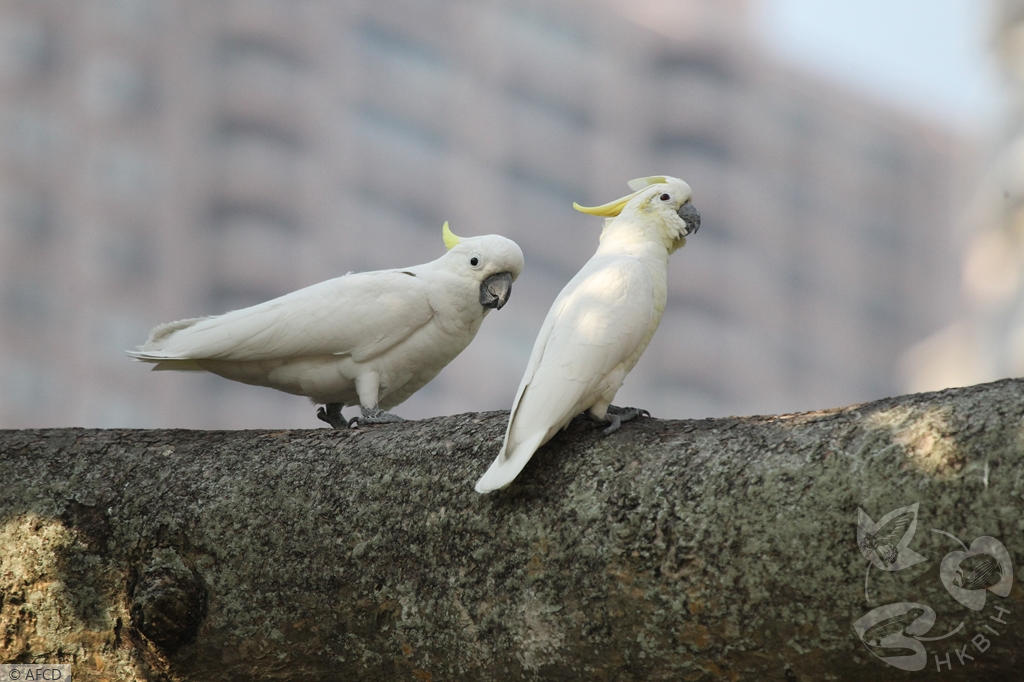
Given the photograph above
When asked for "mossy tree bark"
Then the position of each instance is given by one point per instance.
(720, 548)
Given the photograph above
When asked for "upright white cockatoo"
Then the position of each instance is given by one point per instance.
(600, 323)
(370, 339)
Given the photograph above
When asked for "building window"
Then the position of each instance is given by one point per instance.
(28, 49)
(33, 135)
(29, 303)
(527, 180)
(33, 214)
(124, 172)
(129, 253)
(229, 213)
(888, 234)
(889, 155)
(692, 145)
(241, 50)
(134, 14)
(238, 131)
(382, 42)
(705, 65)
(119, 86)
(393, 126)
(568, 111)
(800, 197)
(539, 30)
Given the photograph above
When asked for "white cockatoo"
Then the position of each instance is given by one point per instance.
(370, 339)
(600, 323)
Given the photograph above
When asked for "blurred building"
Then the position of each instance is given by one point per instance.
(167, 159)
(985, 340)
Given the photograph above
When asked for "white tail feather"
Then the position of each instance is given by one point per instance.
(504, 469)
(164, 363)
(153, 349)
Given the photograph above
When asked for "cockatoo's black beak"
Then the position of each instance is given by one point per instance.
(691, 216)
(495, 290)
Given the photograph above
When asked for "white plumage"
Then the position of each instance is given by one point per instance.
(599, 324)
(370, 339)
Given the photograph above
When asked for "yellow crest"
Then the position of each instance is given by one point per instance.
(450, 238)
(638, 184)
(609, 210)
(614, 208)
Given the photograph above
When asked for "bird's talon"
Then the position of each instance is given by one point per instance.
(617, 416)
(331, 413)
(374, 416)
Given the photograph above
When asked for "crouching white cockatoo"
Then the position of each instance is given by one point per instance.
(600, 323)
(370, 339)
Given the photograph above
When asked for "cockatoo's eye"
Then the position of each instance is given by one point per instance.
(474, 261)
(664, 197)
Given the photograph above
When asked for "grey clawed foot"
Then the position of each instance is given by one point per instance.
(331, 413)
(374, 416)
(617, 416)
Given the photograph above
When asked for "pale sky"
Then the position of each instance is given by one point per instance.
(927, 55)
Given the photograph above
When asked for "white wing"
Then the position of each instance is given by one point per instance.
(361, 315)
(599, 324)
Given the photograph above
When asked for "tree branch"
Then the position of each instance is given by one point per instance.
(717, 548)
